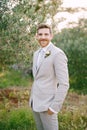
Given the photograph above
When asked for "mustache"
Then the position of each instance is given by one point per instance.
(43, 40)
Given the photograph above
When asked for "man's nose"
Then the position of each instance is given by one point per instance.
(43, 36)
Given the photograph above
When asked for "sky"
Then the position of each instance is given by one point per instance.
(75, 3)
(71, 17)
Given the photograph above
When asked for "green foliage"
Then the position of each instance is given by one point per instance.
(17, 38)
(74, 42)
(14, 78)
(18, 28)
(73, 120)
(22, 119)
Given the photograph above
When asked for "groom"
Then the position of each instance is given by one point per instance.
(51, 81)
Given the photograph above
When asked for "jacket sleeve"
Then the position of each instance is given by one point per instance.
(61, 72)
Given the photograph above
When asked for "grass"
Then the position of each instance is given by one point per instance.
(73, 115)
(73, 120)
(17, 119)
(14, 78)
(22, 119)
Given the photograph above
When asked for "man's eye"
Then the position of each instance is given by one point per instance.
(40, 34)
(46, 34)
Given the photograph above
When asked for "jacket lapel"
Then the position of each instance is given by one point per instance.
(35, 64)
(36, 57)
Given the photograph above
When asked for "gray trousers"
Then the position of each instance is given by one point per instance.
(45, 121)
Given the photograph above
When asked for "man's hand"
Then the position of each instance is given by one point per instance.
(50, 112)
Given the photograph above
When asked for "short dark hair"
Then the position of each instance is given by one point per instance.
(43, 25)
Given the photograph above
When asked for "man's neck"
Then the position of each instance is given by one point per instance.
(45, 48)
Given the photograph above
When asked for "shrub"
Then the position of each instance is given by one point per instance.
(73, 120)
(18, 119)
(22, 119)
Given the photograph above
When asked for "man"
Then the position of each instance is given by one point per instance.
(51, 81)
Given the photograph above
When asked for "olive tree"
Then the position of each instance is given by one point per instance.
(18, 28)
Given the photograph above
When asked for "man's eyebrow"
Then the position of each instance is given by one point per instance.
(46, 33)
(39, 33)
(42, 33)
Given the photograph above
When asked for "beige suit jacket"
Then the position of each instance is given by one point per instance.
(51, 81)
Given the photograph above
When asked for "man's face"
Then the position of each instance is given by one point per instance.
(44, 36)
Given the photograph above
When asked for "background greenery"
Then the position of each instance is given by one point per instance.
(22, 119)
(17, 45)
